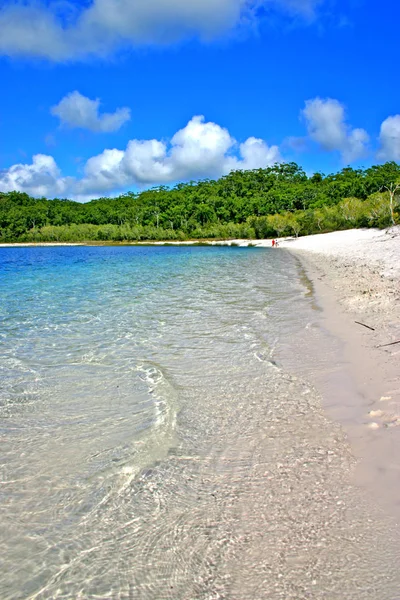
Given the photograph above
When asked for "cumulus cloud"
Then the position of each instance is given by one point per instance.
(76, 110)
(326, 125)
(255, 153)
(389, 139)
(200, 149)
(41, 178)
(61, 31)
(103, 173)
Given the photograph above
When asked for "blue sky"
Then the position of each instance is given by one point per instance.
(104, 96)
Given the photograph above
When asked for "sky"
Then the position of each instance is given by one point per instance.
(104, 96)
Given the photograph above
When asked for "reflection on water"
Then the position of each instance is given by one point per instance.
(152, 447)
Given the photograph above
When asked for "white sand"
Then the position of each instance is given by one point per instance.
(367, 247)
(362, 266)
(356, 277)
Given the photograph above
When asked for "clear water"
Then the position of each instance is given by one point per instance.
(153, 447)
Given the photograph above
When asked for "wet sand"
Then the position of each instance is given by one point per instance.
(355, 278)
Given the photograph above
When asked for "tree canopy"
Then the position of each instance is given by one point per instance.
(262, 202)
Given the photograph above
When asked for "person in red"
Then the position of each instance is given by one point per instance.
(273, 243)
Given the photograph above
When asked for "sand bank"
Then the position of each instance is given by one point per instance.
(356, 279)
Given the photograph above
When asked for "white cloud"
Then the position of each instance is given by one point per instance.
(41, 178)
(255, 153)
(103, 172)
(60, 31)
(200, 149)
(389, 139)
(75, 110)
(145, 161)
(326, 125)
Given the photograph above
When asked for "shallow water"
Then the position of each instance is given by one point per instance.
(153, 446)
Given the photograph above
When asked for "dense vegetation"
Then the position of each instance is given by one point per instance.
(278, 200)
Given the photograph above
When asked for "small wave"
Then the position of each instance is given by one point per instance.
(150, 374)
(266, 359)
(162, 392)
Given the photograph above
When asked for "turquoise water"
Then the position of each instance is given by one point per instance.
(145, 421)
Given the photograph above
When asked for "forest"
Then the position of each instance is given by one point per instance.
(275, 201)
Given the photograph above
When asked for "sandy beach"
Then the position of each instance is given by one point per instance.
(356, 279)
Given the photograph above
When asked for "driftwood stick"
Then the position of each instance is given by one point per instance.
(364, 325)
(391, 344)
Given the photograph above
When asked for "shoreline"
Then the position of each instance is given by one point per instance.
(356, 283)
(289, 242)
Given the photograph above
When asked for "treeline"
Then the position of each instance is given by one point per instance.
(278, 200)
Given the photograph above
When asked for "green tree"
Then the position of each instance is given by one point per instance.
(393, 190)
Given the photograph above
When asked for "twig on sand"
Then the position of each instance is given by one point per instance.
(364, 325)
(391, 344)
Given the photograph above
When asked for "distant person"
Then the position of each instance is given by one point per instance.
(273, 243)
(276, 243)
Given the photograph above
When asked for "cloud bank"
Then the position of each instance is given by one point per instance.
(200, 149)
(75, 110)
(60, 31)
